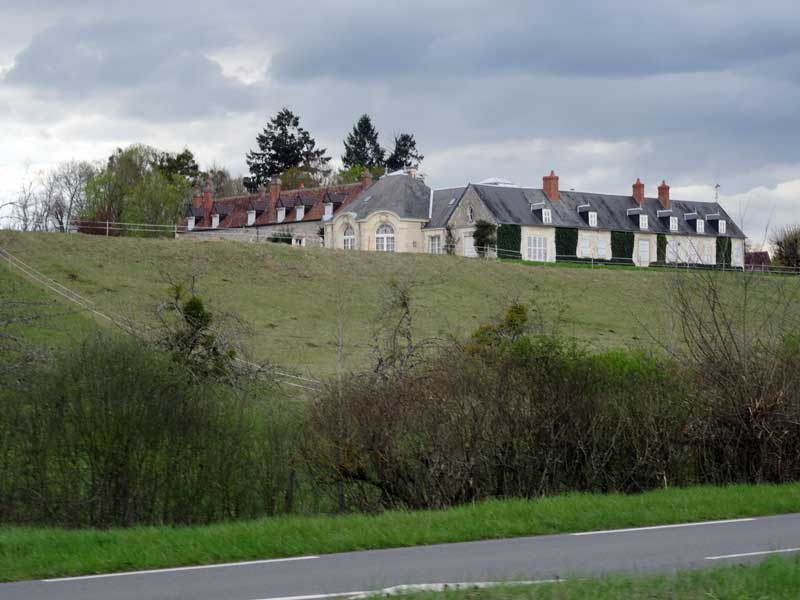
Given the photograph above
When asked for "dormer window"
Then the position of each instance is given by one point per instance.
(300, 213)
(547, 216)
(281, 214)
(328, 210)
(190, 223)
(701, 226)
(643, 225)
(673, 223)
(214, 221)
(592, 219)
(723, 225)
(251, 217)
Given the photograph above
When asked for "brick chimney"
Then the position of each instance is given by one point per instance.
(197, 198)
(366, 179)
(550, 186)
(274, 190)
(638, 192)
(208, 204)
(663, 194)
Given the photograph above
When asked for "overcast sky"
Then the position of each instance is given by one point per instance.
(694, 92)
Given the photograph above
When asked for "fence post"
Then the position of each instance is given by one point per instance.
(106, 228)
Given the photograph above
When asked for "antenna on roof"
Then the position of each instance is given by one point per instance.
(716, 192)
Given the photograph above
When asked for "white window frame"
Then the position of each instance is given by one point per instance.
(672, 250)
(722, 226)
(673, 223)
(349, 238)
(643, 224)
(190, 223)
(328, 210)
(300, 212)
(547, 216)
(435, 244)
(644, 245)
(586, 247)
(281, 214)
(700, 226)
(537, 248)
(384, 238)
(707, 254)
(251, 217)
(602, 249)
(592, 219)
(214, 221)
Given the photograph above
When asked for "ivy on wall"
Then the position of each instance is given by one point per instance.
(566, 243)
(509, 240)
(622, 246)
(724, 251)
(661, 248)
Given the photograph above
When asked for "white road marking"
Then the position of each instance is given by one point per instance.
(652, 527)
(759, 553)
(175, 569)
(414, 587)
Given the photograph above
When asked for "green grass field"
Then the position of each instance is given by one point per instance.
(772, 579)
(293, 299)
(27, 553)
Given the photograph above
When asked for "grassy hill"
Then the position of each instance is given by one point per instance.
(292, 299)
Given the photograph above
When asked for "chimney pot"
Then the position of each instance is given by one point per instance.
(638, 192)
(550, 186)
(663, 194)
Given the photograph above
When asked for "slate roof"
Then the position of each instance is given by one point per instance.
(444, 203)
(513, 205)
(408, 197)
(233, 211)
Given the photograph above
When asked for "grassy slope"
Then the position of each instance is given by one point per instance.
(288, 296)
(775, 578)
(38, 552)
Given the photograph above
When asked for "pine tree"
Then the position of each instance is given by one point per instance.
(284, 145)
(405, 154)
(361, 148)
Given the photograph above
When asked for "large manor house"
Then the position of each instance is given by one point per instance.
(399, 213)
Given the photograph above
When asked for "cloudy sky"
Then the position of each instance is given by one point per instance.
(695, 92)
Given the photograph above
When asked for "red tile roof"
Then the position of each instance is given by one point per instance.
(233, 211)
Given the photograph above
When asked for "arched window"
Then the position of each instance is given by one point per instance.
(470, 215)
(349, 238)
(384, 238)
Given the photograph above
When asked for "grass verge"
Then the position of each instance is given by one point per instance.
(27, 553)
(775, 578)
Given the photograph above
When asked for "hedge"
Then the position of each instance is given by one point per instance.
(661, 250)
(509, 241)
(723, 251)
(566, 243)
(622, 246)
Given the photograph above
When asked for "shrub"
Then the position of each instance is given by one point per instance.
(509, 240)
(485, 236)
(661, 248)
(566, 243)
(787, 246)
(622, 246)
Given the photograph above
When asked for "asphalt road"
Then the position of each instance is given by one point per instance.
(648, 549)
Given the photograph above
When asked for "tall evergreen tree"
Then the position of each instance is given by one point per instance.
(361, 147)
(405, 154)
(284, 145)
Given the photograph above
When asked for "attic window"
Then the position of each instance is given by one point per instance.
(701, 226)
(214, 221)
(643, 225)
(723, 225)
(452, 201)
(592, 219)
(251, 217)
(300, 212)
(190, 223)
(367, 199)
(281, 214)
(328, 210)
(547, 216)
(470, 214)
(673, 223)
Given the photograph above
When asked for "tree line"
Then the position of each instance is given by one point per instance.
(142, 184)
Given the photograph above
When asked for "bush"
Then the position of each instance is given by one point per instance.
(485, 236)
(622, 246)
(116, 434)
(566, 243)
(509, 240)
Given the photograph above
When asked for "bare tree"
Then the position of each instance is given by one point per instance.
(64, 192)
